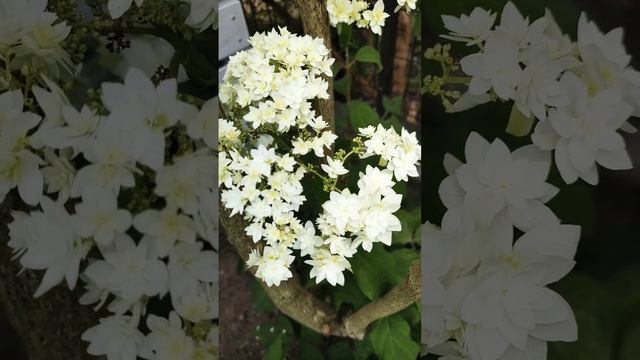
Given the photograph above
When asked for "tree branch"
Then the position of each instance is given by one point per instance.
(292, 299)
(315, 21)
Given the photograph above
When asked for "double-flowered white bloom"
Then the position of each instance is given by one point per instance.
(357, 11)
(142, 247)
(488, 294)
(261, 180)
(581, 93)
(34, 36)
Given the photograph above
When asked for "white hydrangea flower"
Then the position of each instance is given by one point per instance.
(494, 179)
(98, 217)
(129, 271)
(168, 339)
(408, 5)
(334, 168)
(59, 174)
(471, 29)
(147, 111)
(118, 7)
(203, 14)
(198, 305)
(117, 337)
(375, 17)
(189, 265)
(584, 133)
(203, 126)
(328, 266)
(164, 228)
(46, 240)
(273, 264)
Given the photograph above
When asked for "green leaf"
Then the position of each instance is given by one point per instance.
(259, 298)
(340, 351)
(279, 329)
(393, 105)
(274, 350)
(310, 343)
(519, 124)
(402, 260)
(391, 339)
(372, 278)
(350, 293)
(343, 85)
(410, 220)
(372, 270)
(362, 115)
(362, 349)
(368, 54)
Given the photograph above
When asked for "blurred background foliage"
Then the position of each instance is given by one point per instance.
(603, 287)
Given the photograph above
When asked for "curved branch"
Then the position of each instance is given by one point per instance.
(292, 299)
(315, 21)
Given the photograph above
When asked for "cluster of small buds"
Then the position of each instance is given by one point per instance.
(261, 180)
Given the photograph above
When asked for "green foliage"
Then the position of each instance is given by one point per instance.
(260, 300)
(368, 54)
(411, 223)
(391, 339)
(362, 114)
(379, 269)
(276, 336)
(393, 105)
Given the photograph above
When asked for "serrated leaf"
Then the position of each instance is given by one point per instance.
(362, 115)
(391, 339)
(368, 54)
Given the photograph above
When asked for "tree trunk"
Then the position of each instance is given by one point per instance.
(315, 21)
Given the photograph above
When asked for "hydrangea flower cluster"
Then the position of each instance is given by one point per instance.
(582, 93)
(266, 144)
(358, 12)
(487, 296)
(29, 34)
(123, 199)
(203, 14)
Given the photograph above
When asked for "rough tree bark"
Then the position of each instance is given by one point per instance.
(50, 326)
(315, 21)
(295, 301)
